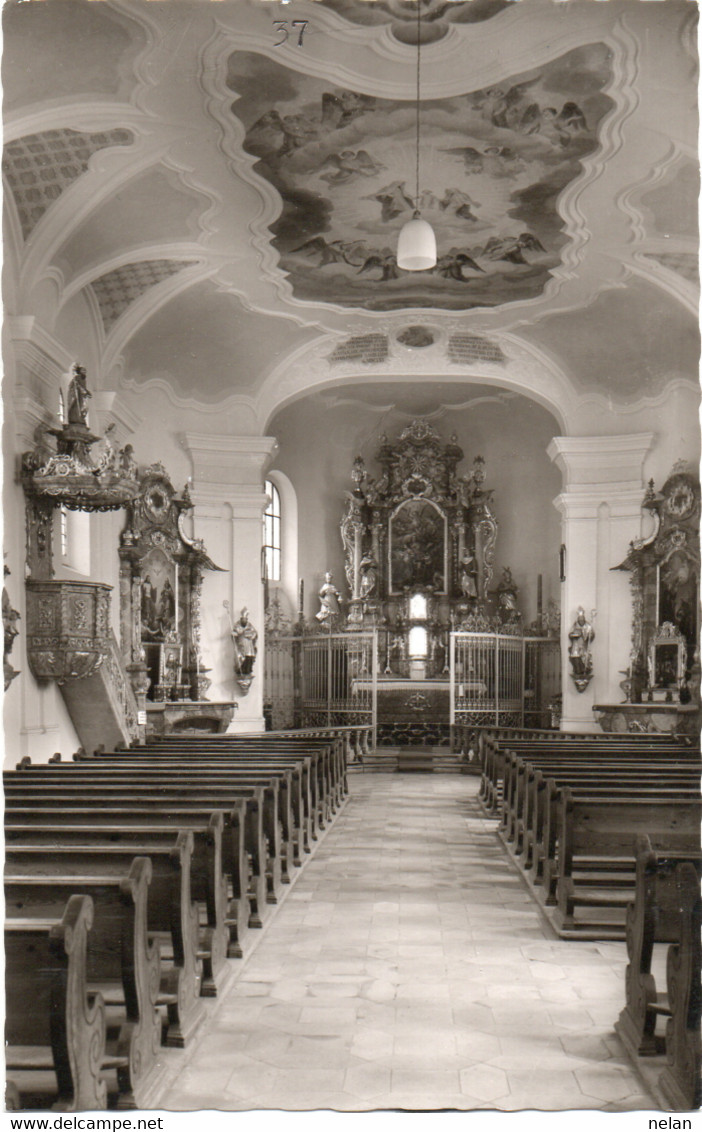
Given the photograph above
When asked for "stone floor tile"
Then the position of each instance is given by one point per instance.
(485, 1082)
(367, 1080)
(407, 968)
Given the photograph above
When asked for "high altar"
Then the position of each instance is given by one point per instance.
(419, 544)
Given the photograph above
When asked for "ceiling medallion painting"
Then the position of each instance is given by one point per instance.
(495, 162)
(438, 15)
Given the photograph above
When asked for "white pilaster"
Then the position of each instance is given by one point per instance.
(600, 508)
(228, 474)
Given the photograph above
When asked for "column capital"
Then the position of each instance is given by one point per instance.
(229, 460)
(622, 504)
(614, 463)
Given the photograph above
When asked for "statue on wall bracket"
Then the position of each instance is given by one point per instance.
(581, 634)
(245, 638)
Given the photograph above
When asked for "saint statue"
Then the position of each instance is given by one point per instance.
(245, 638)
(369, 575)
(330, 597)
(78, 396)
(580, 635)
(469, 575)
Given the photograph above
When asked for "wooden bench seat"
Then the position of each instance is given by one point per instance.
(119, 820)
(121, 961)
(191, 782)
(599, 826)
(208, 884)
(172, 801)
(330, 760)
(666, 908)
(171, 915)
(328, 786)
(62, 1038)
(296, 808)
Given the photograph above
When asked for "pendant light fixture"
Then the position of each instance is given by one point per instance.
(416, 246)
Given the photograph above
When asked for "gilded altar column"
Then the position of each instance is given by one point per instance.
(600, 507)
(229, 501)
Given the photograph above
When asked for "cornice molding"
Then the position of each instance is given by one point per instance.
(610, 464)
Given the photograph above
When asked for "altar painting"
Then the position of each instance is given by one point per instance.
(678, 599)
(159, 603)
(417, 547)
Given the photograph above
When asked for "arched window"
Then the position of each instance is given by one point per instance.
(271, 533)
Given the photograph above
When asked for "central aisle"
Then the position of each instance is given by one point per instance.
(408, 968)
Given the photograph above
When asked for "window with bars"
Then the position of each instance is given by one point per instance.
(271, 533)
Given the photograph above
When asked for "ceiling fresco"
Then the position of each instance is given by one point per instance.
(436, 15)
(493, 164)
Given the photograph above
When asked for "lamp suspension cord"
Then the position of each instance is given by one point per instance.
(416, 199)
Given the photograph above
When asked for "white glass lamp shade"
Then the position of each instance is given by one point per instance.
(416, 247)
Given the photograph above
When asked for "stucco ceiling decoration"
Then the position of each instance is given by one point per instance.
(497, 160)
(40, 167)
(118, 289)
(683, 263)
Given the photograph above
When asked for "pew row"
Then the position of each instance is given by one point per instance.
(55, 1052)
(121, 963)
(665, 911)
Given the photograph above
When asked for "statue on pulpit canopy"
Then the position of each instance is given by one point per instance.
(78, 396)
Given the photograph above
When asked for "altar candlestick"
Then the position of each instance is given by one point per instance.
(539, 596)
(301, 599)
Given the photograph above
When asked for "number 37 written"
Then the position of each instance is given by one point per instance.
(281, 26)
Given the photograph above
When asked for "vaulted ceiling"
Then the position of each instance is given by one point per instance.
(218, 188)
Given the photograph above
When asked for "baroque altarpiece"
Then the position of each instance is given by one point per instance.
(419, 543)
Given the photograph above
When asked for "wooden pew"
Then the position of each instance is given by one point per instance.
(121, 962)
(64, 1029)
(208, 883)
(191, 784)
(653, 918)
(523, 806)
(294, 799)
(680, 1081)
(592, 827)
(496, 783)
(119, 821)
(332, 784)
(172, 801)
(171, 916)
(540, 808)
(229, 782)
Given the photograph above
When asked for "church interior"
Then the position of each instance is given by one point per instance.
(369, 610)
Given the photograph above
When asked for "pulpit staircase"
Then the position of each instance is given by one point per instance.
(102, 706)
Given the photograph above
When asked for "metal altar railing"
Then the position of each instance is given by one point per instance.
(339, 680)
(502, 680)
